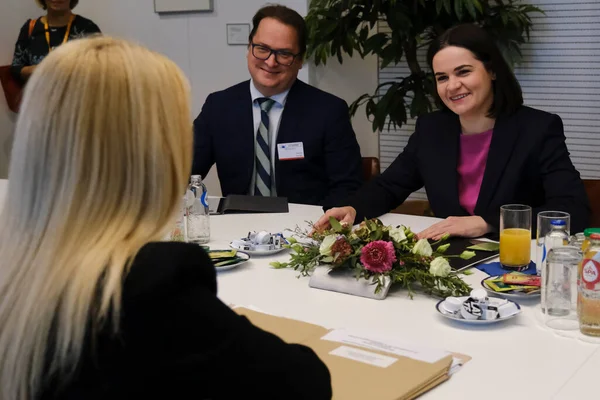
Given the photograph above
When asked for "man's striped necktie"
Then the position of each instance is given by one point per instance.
(262, 186)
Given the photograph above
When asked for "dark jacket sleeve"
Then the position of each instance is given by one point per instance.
(20, 56)
(183, 333)
(393, 186)
(343, 164)
(561, 182)
(92, 28)
(203, 146)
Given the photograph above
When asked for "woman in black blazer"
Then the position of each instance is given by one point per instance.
(92, 304)
(482, 150)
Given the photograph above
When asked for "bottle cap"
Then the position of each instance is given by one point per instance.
(588, 232)
(558, 222)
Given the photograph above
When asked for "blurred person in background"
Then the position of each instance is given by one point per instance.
(38, 37)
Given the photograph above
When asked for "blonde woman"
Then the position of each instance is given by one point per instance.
(91, 305)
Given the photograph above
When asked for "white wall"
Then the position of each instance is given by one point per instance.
(197, 43)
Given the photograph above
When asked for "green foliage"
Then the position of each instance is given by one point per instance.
(491, 246)
(338, 27)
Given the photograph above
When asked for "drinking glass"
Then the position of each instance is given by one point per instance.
(544, 226)
(577, 240)
(515, 236)
(559, 287)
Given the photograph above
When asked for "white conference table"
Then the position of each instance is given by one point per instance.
(515, 359)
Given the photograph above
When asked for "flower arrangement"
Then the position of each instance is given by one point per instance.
(376, 252)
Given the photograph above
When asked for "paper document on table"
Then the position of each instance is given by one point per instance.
(254, 308)
(457, 364)
(386, 344)
(364, 356)
(398, 370)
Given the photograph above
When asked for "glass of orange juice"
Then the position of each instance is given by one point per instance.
(515, 236)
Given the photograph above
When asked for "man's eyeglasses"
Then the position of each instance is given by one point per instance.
(282, 57)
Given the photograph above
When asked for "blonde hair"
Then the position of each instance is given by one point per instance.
(102, 154)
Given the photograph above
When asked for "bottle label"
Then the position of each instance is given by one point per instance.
(544, 253)
(204, 198)
(590, 273)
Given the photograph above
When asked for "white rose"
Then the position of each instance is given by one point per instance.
(397, 235)
(325, 248)
(423, 248)
(440, 267)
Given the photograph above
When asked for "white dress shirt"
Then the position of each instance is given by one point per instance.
(274, 121)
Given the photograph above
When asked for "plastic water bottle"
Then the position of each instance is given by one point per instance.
(197, 212)
(177, 233)
(558, 236)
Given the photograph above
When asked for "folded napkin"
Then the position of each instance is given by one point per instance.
(344, 281)
(495, 269)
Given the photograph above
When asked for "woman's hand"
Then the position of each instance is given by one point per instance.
(474, 226)
(345, 215)
(27, 71)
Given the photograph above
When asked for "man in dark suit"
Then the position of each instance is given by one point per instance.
(275, 135)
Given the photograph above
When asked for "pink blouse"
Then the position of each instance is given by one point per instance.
(472, 158)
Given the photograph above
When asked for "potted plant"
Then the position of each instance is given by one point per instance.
(338, 27)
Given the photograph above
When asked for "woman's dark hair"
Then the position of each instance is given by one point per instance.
(508, 96)
(42, 3)
(286, 16)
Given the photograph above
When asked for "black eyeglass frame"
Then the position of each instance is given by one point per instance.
(273, 52)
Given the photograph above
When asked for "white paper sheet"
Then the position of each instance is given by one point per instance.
(364, 356)
(387, 344)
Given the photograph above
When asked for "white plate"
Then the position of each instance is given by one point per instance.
(458, 317)
(510, 295)
(245, 257)
(258, 252)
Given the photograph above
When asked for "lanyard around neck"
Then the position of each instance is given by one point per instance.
(66, 33)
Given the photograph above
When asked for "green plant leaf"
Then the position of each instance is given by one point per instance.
(458, 9)
(471, 7)
(335, 225)
(467, 255)
(485, 246)
(448, 6)
(438, 6)
(442, 249)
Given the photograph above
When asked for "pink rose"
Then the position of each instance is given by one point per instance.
(378, 256)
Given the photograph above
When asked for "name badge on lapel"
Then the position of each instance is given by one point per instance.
(290, 151)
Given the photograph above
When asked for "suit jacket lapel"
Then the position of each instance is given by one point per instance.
(504, 138)
(286, 124)
(245, 132)
(448, 145)
(288, 116)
